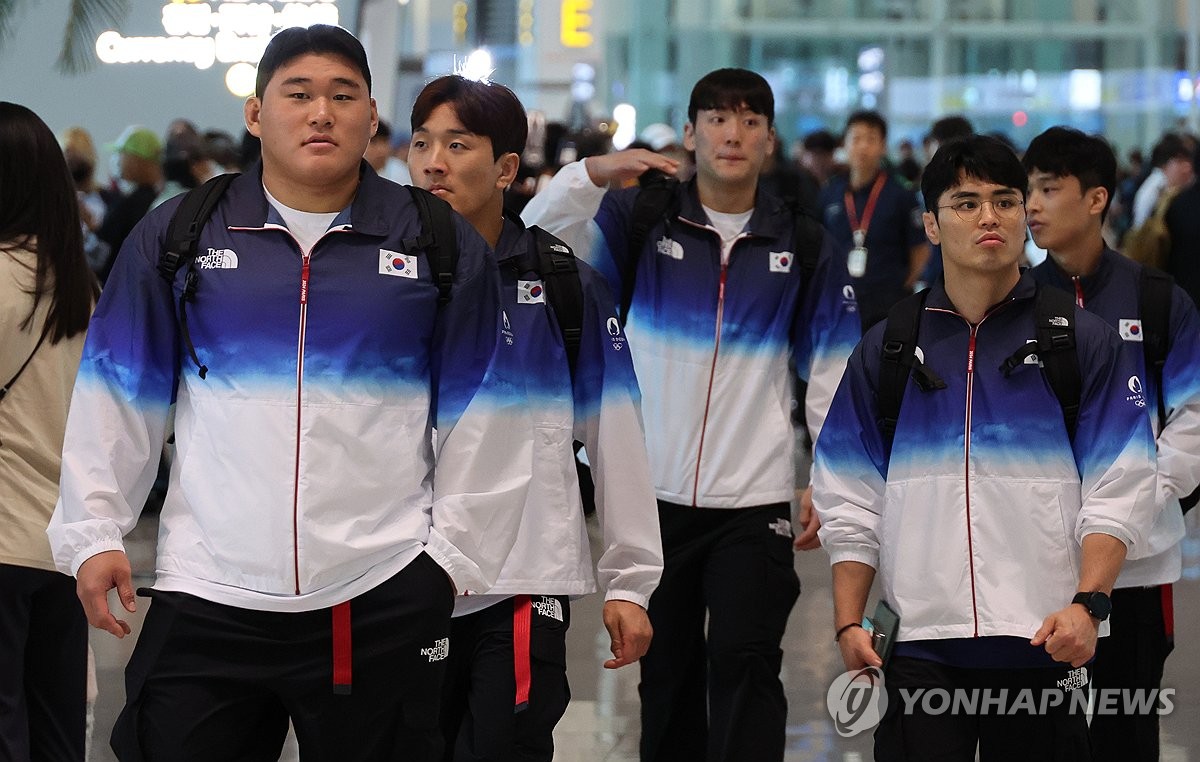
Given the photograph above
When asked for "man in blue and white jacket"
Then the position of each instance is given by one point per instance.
(1072, 177)
(307, 564)
(507, 685)
(720, 305)
(996, 535)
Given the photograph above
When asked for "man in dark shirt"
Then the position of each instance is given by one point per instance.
(875, 221)
(140, 153)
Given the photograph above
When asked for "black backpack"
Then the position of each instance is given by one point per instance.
(658, 201)
(550, 257)
(1054, 311)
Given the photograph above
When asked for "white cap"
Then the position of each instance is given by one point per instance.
(659, 136)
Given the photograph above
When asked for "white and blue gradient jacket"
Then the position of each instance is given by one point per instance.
(600, 408)
(304, 472)
(975, 520)
(711, 343)
(1112, 292)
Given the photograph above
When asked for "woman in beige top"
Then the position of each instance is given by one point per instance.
(47, 294)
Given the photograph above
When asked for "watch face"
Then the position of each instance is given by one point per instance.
(1100, 605)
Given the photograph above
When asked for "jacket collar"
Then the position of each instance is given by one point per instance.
(1025, 288)
(1092, 283)
(770, 219)
(370, 211)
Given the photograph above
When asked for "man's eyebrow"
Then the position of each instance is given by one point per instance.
(343, 81)
(977, 194)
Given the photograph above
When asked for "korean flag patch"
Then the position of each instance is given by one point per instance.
(1131, 330)
(397, 264)
(531, 292)
(781, 261)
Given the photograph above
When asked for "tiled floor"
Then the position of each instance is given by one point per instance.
(602, 722)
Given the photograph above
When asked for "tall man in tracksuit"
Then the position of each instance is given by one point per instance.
(1071, 182)
(507, 682)
(720, 303)
(306, 565)
(996, 534)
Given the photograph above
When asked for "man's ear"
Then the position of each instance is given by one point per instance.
(510, 163)
(1097, 199)
(252, 112)
(932, 231)
(689, 137)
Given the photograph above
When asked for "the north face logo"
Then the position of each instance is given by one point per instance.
(438, 651)
(548, 607)
(218, 259)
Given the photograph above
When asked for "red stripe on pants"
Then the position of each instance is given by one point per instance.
(342, 671)
(1168, 609)
(522, 614)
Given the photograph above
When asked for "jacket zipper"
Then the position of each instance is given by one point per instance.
(305, 273)
(967, 472)
(967, 446)
(712, 374)
(1078, 283)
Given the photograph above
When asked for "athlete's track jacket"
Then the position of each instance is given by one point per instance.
(600, 408)
(304, 467)
(711, 342)
(976, 519)
(1112, 292)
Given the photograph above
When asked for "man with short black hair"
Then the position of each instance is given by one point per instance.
(996, 519)
(1071, 181)
(507, 684)
(875, 219)
(718, 298)
(308, 552)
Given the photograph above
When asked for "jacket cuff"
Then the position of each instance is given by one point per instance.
(464, 573)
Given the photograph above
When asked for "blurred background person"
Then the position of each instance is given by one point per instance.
(80, 153)
(47, 294)
(139, 153)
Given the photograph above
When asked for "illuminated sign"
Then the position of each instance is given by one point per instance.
(203, 33)
(576, 23)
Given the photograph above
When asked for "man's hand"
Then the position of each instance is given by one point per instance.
(626, 165)
(809, 523)
(99, 574)
(857, 651)
(1069, 635)
(630, 631)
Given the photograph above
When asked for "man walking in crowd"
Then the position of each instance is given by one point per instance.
(718, 298)
(875, 220)
(1072, 177)
(306, 570)
(1031, 510)
(140, 154)
(507, 684)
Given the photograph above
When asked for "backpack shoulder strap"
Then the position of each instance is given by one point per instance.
(183, 235)
(1054, 311)
(898, 360)
(655, 202)
(1155, 289)
(183, 231)
(559, 272)
(438, 239)
(807, 237)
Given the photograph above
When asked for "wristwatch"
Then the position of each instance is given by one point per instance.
(1097, 604)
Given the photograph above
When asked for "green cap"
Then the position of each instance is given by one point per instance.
(139, 141)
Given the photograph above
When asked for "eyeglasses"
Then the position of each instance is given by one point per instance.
(970, 210)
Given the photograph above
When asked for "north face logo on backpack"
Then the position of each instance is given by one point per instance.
(218, 259)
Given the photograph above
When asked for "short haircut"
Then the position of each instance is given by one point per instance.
(951, 127)
(383, 132)
(732, 89)
(487, 109)
(1171, 146)
(1067, 152)
(870, 119)
(980, 157)
(821, 141)
(320, 39)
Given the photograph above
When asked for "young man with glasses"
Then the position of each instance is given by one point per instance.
(1030, 524)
